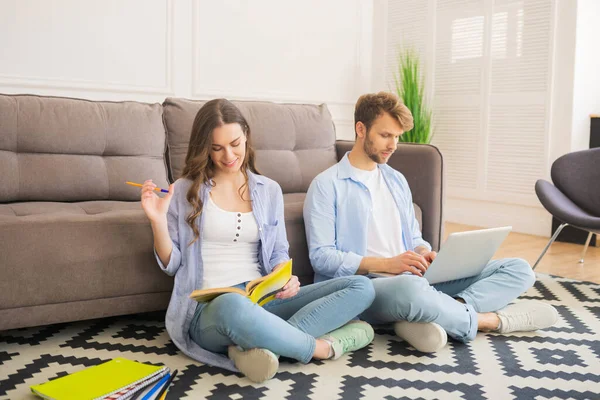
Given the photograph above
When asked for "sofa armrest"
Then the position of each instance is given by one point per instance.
(423, 167)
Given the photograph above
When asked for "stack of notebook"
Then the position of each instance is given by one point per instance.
(118, 379)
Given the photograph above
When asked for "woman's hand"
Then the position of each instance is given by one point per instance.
(154, 206)
(291, 288)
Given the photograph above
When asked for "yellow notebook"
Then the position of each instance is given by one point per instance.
(98, 381)
(259, 291)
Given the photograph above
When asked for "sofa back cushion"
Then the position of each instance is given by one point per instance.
(293, 142)
(60, 149)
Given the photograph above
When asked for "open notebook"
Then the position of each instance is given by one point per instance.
(259, 291)
(115, 379)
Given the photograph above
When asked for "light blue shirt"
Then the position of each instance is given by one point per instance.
(336, 215)
(186, 260)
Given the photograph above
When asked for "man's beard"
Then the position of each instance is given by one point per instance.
(371, 152)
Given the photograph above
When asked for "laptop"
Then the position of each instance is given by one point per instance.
(465, 254)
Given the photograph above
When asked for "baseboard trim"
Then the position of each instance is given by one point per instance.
(524, 219)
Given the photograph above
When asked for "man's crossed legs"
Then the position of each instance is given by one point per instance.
(424, 315)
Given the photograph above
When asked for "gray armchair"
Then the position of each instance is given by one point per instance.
(574, 199)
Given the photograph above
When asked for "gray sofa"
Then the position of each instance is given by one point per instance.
(74, 242)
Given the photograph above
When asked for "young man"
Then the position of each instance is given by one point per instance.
(360, 219)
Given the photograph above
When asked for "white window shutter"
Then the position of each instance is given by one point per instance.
(408, 27)
(459, 64)
(490, 71)
(519, 95)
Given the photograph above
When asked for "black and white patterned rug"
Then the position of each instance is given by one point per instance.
(560, 363)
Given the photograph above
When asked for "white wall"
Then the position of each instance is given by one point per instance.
(561, 117)
(309, 51)
(586, 88)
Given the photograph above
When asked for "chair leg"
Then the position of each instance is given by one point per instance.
(552, 239)
(587, 243)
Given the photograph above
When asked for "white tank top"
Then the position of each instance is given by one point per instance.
(229, 247)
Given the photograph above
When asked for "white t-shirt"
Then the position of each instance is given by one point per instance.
(229, 247)
(384, 238)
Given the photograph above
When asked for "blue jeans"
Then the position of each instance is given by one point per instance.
(412, 298)
(287, 327)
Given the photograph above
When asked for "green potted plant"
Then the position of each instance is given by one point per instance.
(409, 87)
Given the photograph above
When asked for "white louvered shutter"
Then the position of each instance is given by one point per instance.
(519, 94)
(458, 102)
(408, 27)
(490, 64)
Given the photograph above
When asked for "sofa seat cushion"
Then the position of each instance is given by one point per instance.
(53, 209)
(296, 235)
(63, 252)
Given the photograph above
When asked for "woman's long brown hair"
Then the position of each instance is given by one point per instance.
(199, 167)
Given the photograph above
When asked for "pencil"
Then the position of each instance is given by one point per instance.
(160, 383)
(166, 385)
(140, 185)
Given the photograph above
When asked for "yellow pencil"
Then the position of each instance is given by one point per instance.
(140, 185)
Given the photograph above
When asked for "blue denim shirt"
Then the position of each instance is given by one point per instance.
(186, 260)
(336, 216)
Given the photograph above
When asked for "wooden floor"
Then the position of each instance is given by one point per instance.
(561, 258)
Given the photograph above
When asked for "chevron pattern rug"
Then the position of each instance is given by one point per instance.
(560, 363)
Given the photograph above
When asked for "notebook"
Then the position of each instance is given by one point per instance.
(130, 392)
(101, 381)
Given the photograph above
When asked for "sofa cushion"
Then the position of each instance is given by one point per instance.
(60, 149)
(293, 142)
(418, 216)
(61, 252)
(296, 235)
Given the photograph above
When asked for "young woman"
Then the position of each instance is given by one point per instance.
(222, 224)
